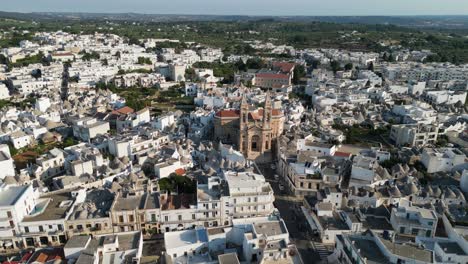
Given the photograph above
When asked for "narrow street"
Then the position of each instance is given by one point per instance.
(289, 208)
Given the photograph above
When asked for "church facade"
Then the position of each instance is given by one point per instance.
(252, 131)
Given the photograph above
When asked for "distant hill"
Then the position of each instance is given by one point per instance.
(443, 22)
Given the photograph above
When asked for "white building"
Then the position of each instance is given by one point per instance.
(442, 159)
(162, 122)
(414, 134)
(88, 128)
(132, 120)
(319, 149)
(6, 162)
(19, 139)
(106, 249)
(16, 202)
(42, 104)
(413, 220)
(445, 97)
(363, 171)
(249, 195)
(177, 72)
(4, 92)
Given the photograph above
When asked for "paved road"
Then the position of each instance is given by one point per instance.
(289, 208)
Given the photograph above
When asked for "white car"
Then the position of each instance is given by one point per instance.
(273, 166)
(276, 177)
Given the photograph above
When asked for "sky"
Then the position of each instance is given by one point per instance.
(245, 7)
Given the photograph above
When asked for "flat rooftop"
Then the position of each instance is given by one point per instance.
(180, 238)
(77, 242)
(206, 194)
(56, 208)
(179, 201)
(229, 258)
(11, 194)
(451, 248)
(271, 228)
(369, 249)
(407, 250)
(333, 222)
(129, 202)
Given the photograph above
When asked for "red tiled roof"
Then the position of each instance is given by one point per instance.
(228, 113)
(284, 66)
(124, 110)
(180, 172)
(267, 75)
(275, 112)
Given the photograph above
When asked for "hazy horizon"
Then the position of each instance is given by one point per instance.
(246, 7)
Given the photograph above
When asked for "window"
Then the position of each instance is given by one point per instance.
(153, 217)
(193, 216)
(121, 219)
(166, 218)
(179, 217)
(41, 229)
(50, 227)
(130, 218)
(428, 233)
(9, 215)
(26, 229)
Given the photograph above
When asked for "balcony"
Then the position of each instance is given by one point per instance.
(255, 212)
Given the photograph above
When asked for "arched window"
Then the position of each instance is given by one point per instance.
(255, 143)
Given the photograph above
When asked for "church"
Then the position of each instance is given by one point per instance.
(252, 131)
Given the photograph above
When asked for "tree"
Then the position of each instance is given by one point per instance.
(255, 63)
(335, 66)
(89, 56)
(240, 65)
(299, 72)
(37, 73)
(315, 64)
(190, 74)
(391, 58)
(348, 66)
(3, 59)
(144, 60)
